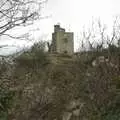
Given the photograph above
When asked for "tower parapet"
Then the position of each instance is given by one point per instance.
(57, 28)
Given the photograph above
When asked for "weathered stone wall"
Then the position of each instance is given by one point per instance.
(62, 42)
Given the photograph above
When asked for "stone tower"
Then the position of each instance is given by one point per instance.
(62, 41)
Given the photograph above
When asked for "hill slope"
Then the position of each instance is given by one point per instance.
(51, 86)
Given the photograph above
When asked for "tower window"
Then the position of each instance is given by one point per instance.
(65, 40)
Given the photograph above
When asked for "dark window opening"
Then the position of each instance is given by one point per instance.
(65, 40)
(65, 51)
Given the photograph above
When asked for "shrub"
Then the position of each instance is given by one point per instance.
(34, 58)
(6, 99)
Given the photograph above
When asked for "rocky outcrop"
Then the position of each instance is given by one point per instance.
(73, 109)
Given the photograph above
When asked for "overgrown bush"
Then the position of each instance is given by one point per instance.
(6, 100)
(35, 57)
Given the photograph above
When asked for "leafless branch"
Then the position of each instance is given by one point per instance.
(18, 13)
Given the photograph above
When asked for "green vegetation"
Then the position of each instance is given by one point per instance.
(6, 100)
(44, 89)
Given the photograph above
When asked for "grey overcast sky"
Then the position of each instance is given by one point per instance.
(72, 15)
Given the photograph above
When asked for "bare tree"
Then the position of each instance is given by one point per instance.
(94, 36)
(17, 13)
(97, 35)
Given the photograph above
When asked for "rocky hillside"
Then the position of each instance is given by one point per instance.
(51, 86)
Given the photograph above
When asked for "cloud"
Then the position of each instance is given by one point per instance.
(73, 15)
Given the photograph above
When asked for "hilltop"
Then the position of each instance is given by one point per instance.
(59, 86)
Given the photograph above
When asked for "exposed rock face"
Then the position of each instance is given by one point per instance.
(103, 60)
(73, 109)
